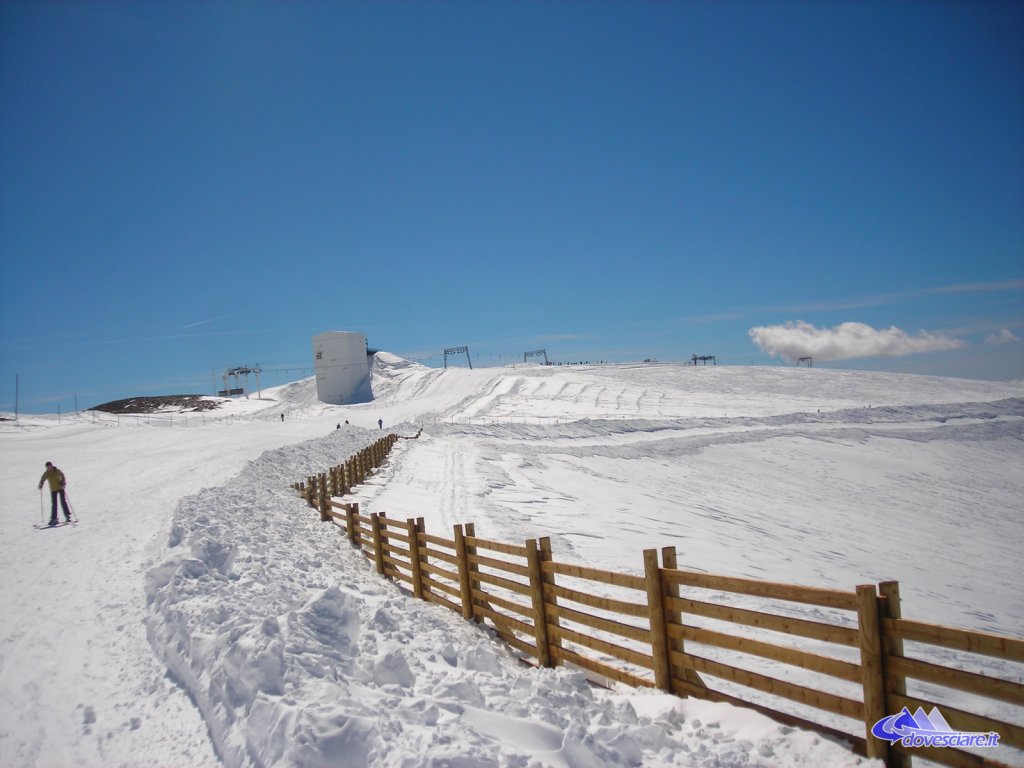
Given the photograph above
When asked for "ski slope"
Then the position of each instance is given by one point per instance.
(201, 615)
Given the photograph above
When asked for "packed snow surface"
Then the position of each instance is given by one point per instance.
(201, 615)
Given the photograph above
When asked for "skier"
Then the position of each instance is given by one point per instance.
(57, 481)
(380, 423)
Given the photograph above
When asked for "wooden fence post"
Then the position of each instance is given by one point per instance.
(463, 562)
(548, 594)
(378, 545)
(889, 607)
(412, 531)
(656, 610)
(351, 510)
(470, 529)
(540, 622)
(325, 499)
(421, 528)
(872, 680)
(669, 560)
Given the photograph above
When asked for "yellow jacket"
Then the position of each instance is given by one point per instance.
(55, 477)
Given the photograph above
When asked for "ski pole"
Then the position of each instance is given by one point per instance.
(41, 520)
(74, 515)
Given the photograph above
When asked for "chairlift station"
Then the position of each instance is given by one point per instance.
(235, 373)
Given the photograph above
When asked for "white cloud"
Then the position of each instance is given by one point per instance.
(845, 341)
(1005, 336)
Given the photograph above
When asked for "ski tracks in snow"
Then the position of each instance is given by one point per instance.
(805, 485)
(442, 480)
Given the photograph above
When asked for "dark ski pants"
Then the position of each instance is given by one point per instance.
(63, 503)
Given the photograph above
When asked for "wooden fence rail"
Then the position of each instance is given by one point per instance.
(838, 673)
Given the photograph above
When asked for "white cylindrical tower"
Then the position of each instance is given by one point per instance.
(342, 368)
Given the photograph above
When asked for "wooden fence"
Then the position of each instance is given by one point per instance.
(681, 631)
(338, 480)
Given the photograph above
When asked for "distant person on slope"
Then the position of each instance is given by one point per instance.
(380, 423)
(57, 481)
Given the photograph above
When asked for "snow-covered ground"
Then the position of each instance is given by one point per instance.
(200, 614)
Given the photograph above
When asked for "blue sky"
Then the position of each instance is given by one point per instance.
(189, 186)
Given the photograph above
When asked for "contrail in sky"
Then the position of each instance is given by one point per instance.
(204, 322)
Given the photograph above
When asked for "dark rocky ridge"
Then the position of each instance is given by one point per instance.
(193, 403)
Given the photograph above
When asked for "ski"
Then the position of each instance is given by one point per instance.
(44, 526)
